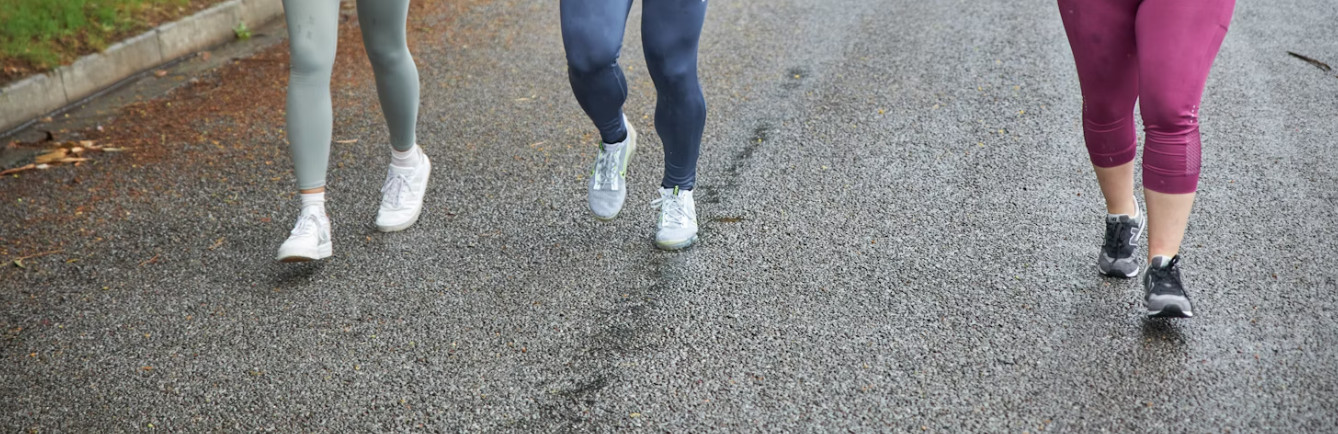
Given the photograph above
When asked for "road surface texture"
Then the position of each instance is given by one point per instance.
(899, 232)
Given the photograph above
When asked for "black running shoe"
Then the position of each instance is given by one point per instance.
(1117, 253)
(1166, 296)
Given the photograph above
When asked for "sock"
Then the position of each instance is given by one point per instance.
(409, 158)
(1133, 216)
(1160, 261)
(609, 147)
(313, 200)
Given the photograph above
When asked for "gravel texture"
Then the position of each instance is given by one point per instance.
(899, 233)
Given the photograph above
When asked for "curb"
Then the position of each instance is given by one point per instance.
(35, 96)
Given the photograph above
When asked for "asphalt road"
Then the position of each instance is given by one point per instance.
(899, 231)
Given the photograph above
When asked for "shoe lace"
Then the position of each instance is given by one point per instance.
(395, 189)
(1165, 274)
(307, 224)
(673, 212)
(1117, 238)
(606, 168)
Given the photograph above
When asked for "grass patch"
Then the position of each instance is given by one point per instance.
(38, 35)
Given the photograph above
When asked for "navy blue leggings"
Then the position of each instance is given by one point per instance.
(592, 32)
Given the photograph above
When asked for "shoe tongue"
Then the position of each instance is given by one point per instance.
(1116, 218)
(1160, 261)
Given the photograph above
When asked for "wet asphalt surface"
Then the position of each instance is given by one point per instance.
(899, 231)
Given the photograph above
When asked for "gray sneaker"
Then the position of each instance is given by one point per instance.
(1117, 253)
(608, 181)
(1166, 296)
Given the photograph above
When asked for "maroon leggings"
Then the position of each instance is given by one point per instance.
(1156, 52)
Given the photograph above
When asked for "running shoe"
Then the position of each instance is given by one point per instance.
(677, 226)
(402, 195)
(608, 181)
(1166, 296)
(1117, 253)
(310, 238)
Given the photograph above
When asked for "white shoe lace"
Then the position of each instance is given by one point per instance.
(394, 191)
(673, 211)
(606, 169)
(307, 225)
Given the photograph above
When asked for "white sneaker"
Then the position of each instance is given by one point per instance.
(310, 238)
(677, 226)
(402, 195)
(608, 182)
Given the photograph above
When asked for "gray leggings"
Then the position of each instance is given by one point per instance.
(313, 27)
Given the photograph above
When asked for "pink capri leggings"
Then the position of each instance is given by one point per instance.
(1155, 52)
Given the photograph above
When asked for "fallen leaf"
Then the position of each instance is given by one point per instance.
(149, 261)
(54, 155)
(18, 169)
(160, 73)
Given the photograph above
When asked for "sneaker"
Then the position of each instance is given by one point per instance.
(1166, 296)
(608, 182)
(402, 195)
(310, 238)
(677, 226)
(1117, 253)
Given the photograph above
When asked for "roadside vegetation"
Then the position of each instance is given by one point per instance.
(39, 35)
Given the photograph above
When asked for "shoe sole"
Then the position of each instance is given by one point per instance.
(678, 245)
(416, 213)
(401, 226)
(1171, 312)
(631, 150)
(1114, 273)
(322, 252)
(1175, 308)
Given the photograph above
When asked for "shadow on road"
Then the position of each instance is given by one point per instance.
(1163, 332)
(284, 276)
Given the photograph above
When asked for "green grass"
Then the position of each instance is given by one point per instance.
(46, 33)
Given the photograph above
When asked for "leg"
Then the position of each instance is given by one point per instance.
(313, 27)
(592, 34)
(1101, 34)
(670, 31)
(1180, 41)
(383, 34)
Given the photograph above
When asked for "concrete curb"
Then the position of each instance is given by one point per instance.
(33, 97)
